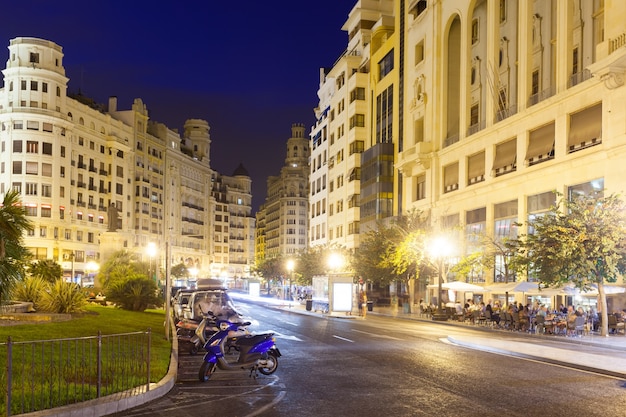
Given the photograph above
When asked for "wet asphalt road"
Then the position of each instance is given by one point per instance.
(382, 366)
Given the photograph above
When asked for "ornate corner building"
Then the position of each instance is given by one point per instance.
(95, 179)
(475, 112)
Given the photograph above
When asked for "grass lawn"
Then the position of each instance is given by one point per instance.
(107, 320)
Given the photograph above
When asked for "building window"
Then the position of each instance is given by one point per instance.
(419, 52)
(358, 120)
(46, 169)
(17, 167)
(34, 85)
(357, 94)
(31, 188)
(357, 146)
(46, 211)
(535, 83)
(32, 168)
(34, 58)
(384, 116)
(32, 146)
(385, 65)
(474, 31)
(420, 187)
(17, 146)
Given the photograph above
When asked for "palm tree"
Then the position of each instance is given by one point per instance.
(47, 269)
(13, 255)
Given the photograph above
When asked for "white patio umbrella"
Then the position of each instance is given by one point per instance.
(462, 286)
(520, 286)
(593, 291)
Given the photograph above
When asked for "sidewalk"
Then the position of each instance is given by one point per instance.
(592, 352)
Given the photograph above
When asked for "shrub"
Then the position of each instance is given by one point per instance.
(62, 297)
(30, 289)
(135, 293)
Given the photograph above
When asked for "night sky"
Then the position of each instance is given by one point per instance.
(249, 68)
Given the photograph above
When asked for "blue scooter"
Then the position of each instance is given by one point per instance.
(256, 352)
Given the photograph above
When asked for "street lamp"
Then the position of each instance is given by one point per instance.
(151, 250)
(335, 261)
(439, 249)
(290, 266)
(90, 267)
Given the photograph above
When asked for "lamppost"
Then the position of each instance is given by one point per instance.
(439, 248)
(151, 250)
(290, 266)
(72, 256)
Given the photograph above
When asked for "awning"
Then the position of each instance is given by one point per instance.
(541, 141)
(585, 126)
(476, 165)
(451, 174)
(506, 154)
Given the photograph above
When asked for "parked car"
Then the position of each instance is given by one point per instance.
(181, 300)
(215, 300)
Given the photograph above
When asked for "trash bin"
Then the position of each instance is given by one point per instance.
(370, 306)
(309, 304)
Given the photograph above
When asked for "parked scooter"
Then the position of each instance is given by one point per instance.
(208, 326)
(186, 335)
(256, 352)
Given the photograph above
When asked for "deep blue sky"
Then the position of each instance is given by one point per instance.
(249, 68)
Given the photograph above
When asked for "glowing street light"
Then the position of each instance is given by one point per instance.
(439, 249)
(92, 267)
(335, 261)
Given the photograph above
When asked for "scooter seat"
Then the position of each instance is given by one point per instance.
(250, 340)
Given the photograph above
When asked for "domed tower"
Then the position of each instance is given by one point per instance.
(197, 132)
(34, 76)
(297, 147)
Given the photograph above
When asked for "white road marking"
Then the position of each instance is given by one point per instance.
(343, 338)
(382, 336)
(282, 336)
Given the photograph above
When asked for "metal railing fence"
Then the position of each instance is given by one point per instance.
(39, 375)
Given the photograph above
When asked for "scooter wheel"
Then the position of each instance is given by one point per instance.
(206, 370)
(272, 365)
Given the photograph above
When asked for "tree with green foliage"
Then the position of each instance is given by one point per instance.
(46, 269)
(370, 260)
(136, 292)
(179, 271)
(315, 261)
(580, 241)
(394, 251)
(13, 254)
(487, 248)
(271, 269)
(120, 265)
